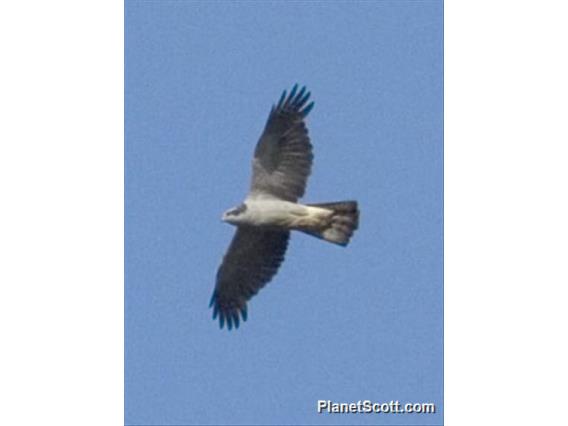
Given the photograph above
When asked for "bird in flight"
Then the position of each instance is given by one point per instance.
(280, 168)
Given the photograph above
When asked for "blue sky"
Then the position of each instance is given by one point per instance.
(345, 324)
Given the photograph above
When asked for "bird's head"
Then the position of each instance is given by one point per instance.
(235, 215)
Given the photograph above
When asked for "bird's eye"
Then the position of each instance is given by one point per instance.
(240, 209)
(237, 210)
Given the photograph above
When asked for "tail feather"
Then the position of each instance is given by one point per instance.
(341, 223)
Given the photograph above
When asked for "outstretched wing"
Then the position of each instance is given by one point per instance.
(283, 155)
(253, 258)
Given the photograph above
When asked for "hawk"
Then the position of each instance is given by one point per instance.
(280, 168)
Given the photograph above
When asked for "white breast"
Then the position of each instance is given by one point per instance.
(273, 212)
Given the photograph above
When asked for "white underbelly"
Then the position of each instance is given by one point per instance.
(282, 214)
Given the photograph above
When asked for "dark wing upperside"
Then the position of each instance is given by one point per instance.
(283, 155)
(251, 261)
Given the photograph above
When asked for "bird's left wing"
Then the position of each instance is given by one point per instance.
(283, 155)
(253, 258)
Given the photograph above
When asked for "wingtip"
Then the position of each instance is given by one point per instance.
(298, 99)
(293, 101)
(229, 322)
(308, 108)
(236, 319)
(282, 97)
(293, 91)
(230, 319)
(302, 101)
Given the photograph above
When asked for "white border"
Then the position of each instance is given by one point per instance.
(506, 194)
(61, 226)
(61, 177)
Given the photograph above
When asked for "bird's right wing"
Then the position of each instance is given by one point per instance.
(283, 155)
(253, 258)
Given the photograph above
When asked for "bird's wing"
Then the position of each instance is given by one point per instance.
(252, 260)
(283, 155)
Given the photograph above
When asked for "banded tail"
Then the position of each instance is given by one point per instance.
(340, 225)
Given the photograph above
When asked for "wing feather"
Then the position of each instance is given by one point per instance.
(283, 155)
(251, 261)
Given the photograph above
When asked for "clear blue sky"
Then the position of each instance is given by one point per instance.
(362, 322)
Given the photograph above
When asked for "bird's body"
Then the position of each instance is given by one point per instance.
(281, 166)
(278, 214)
